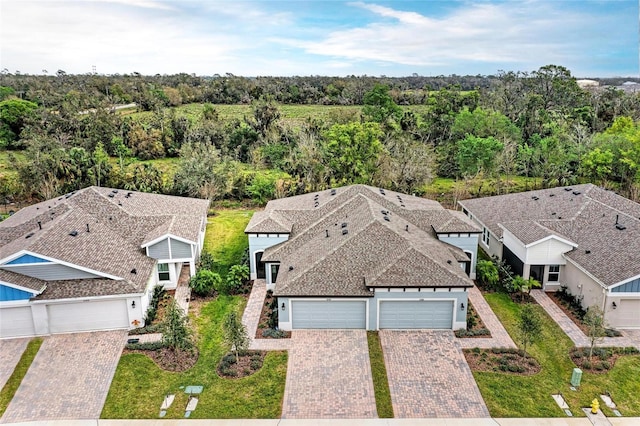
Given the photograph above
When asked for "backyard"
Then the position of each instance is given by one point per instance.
(139, 385)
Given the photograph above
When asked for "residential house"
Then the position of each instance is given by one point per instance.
(583, 237)
(89, 260)
(364, 257)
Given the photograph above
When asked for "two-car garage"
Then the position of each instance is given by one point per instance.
(384, 314)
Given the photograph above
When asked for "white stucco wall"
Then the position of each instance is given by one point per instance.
(259, 242)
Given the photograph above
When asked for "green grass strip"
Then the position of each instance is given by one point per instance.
(379, 372)
(10, 388)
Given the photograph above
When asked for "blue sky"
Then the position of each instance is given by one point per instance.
(329, 37)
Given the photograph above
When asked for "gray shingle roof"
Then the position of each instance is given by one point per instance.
(117, 226)
(585, 215)
(321, 259)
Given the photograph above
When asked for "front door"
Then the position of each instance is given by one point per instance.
(260, 272)
(537, 272)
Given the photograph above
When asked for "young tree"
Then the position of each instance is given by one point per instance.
(235, 333)
(594, 320)
(529, 326)
(176, 333)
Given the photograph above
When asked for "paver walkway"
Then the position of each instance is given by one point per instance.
(428, 375)
(251, 317)
(329, 376)
(629, 338)
(10, 352)
(68, 379)
(499, 336)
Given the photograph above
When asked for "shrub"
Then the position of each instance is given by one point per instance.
(149, 346)
(206, 261)
(152, 328)
(204, 282)
(236, 278)
(612, 332)
(471, 321)
(274, 334)
(255, 365)
(157, 294)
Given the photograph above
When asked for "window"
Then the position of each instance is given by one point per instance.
(163, 272)
(485, 236)
(554, 273)
(274, 273)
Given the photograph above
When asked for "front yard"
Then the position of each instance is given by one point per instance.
(530, 396)
(139, 385)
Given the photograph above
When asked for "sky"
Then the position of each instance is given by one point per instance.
(329, 37)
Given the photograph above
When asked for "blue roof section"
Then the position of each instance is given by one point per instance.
(9, 293)
(27, 258)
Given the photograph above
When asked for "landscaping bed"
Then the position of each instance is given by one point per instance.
(504, 360)
(475, 325)
(268, 320)
(570, 305)
(167, 359)
(246, 364)
(602, 359)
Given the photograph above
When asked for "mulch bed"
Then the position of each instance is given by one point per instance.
(501, 360)
(603, 359)
(477, 330)
(169, 360)
(247, 364)
(523, 298)
(264, 320)
(553, 296)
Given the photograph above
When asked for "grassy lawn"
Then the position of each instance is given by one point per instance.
(520, 396)
(225, 238)
(379, 372)
(139, 386)
(10, 388)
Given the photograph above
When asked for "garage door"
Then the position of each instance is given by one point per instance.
(88, 316)
(16, 322)
(328, 314)
(416, 314)
(629, 313)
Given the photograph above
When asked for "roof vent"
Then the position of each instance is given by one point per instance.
(387, 218)
(128, 195)
(115, 191)
(344, 225)
(402, 205)
(345, 231)
(316, 204)
(291, 268)
(587, 252)
(576, 192)
(382, 191)
(449, 261)
(406, 228)
(552, 195)
(620, 227)
(315, 197)
(73, 233)
(39, 225)
(535, 198)
(333, 192)
(87, 227)
(111, 195)
(568, 189)
(327, 233)
(29, 235)
(120, 203)
(553, 214)
(134, 271)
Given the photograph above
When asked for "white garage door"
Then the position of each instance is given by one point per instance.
(88, 316)
(411, 314)
(328, 314)
(16, 322)
(629, 313)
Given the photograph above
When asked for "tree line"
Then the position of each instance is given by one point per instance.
(534, 124)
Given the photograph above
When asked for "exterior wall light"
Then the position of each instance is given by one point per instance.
(283, 306)
(614, 305)
(462, 306)
(133, 304)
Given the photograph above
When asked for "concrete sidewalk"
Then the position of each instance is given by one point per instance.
(565, 421)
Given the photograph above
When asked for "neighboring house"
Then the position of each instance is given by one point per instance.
(364, 257)
(89, 260)
(582, 236)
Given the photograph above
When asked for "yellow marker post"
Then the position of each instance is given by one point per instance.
(595, 406)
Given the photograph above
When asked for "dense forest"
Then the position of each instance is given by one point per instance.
(61, 132)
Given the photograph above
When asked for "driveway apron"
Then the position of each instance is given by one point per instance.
(429, 376)
(329, 376)
(68, 379)
(10, 353)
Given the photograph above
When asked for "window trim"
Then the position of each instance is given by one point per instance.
(486, 236)
(554, 273)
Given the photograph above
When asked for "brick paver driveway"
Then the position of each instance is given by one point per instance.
(428, 375)
(10, 352)
(329, 376)
(68, 379)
